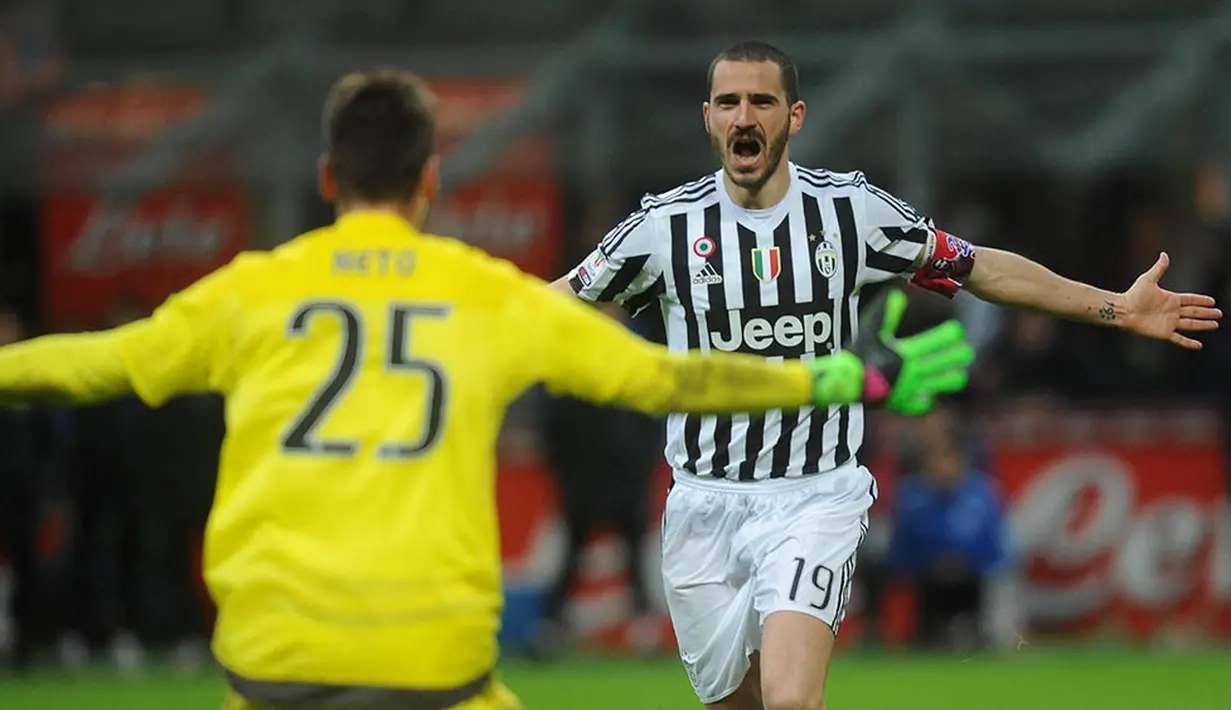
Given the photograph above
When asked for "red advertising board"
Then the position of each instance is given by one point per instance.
(101, 256)
(1121, 519)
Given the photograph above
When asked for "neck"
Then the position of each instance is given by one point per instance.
(767, 195)
(414, 212)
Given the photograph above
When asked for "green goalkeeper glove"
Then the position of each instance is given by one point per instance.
(880, 370)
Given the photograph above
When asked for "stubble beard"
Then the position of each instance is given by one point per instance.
(774, 150)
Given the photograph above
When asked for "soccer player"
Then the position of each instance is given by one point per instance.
(770, 258)
(353, 549)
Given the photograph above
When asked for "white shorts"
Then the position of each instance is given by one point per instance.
(735, 552)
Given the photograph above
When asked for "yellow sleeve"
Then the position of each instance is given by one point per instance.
(579, 352)
(177, 350)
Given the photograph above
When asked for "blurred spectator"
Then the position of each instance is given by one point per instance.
(172, 457)
(1028, 363)
(949, 543)
(30, 57)
(603, 459)
(106, 567)
(20, 511)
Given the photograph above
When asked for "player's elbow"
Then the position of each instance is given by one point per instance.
(562, 286)
(653, 387)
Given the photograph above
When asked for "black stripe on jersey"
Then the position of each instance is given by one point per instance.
(887, 262)
(781, 458)
(576, 284)
(815, 447)
(718, 304)
(639, 302)
(623, 278)
(711, 226)
(683, 294)
(917, 235)
(752, 298)
(850, 271)
(620, 232)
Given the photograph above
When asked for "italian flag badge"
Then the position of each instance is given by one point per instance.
(766, 263)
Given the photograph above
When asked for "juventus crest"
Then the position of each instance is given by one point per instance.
(826, 258)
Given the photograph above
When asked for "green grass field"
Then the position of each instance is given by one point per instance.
(1026, 681)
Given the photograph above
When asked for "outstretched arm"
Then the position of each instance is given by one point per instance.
(945, 264)
(170, 353)
(1146, 309)
(68, 369)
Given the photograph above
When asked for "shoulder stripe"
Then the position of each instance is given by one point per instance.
(829, 182)
(689, 192)
(616, 236)
(827, 176)
(907, 212)
(669, 195)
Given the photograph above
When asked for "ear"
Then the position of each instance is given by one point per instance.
(798, 110)
(429, 181)
(326, 185)
(705, 115)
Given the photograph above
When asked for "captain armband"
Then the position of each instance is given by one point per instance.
(946, 266)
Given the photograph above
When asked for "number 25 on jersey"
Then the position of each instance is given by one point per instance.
(301, 436)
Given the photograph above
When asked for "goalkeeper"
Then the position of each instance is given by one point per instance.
(353, 549)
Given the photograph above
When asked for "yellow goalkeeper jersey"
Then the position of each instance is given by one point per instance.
(366, 367)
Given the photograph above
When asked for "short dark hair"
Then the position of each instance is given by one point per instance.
(380, 130)
(754, 51)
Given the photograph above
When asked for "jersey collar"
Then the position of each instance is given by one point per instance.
(769, 212)
(374, 220)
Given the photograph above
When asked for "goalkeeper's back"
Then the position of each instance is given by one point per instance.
(367, 369)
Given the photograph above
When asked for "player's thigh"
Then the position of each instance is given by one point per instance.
(709, 601)
(748, 695)
(803, 589)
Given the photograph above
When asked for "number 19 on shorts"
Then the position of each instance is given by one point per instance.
(812, 584)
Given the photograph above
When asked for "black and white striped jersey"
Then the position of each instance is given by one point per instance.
(783, 282)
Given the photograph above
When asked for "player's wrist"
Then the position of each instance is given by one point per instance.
(1114, 311)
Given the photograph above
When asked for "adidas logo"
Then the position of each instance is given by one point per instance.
(707, 276)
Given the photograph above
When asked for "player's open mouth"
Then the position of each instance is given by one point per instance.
(746, 152)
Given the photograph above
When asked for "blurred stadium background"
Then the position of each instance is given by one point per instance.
(144, 143)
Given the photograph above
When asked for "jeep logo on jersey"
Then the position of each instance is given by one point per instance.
(826, 258)
(770, 332)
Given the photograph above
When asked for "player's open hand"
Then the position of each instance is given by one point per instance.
(1154, 312)
(908, 374)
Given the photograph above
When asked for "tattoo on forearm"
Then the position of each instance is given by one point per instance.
(1108, 311)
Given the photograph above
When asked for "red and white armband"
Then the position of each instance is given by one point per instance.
(948, 263)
